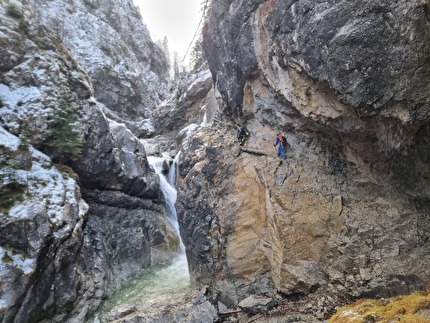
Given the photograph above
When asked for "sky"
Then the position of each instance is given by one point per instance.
(176, 19)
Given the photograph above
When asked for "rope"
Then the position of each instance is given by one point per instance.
(197, 30)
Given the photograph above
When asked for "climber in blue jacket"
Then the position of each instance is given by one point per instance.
(282, 148)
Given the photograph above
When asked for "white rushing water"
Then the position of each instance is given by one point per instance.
(162, 283)
(167, 186)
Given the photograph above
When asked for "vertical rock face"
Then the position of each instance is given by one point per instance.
(382, 44)
(188, 106)
(74, 238)
(40, 238)
(347, 211)
(129, 73)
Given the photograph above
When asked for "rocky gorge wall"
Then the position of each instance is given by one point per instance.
(347, 213)
(77, 233)
(128, 71)
(344, 216)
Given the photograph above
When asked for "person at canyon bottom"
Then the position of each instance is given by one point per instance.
(282, 148)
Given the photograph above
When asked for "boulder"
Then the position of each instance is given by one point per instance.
(256, 304)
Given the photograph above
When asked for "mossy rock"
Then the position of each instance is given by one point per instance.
(9, 194)
(411, 308)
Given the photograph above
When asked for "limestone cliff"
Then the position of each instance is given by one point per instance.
(347, 213)
(129, 72)
(76, 233)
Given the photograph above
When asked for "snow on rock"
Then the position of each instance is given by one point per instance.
(49, 192)
(76, 264)
(14, 97)
(8, 140)
(128, 149)
(12, 263)
(147, 125)
(18, 102)
(50, 211)
(188, 130)
(26, 265)
(201, 78)
(110, 41)
(32, 89)
(51, 207)
(47, 187)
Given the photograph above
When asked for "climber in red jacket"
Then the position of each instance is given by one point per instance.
(282, 148)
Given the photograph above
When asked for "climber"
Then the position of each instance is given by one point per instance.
(282, 148)
(242, 133)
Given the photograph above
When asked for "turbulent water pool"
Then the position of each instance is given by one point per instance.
(156, 285)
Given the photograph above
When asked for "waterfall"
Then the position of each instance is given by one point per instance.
(161, 283)
(205, 120)
(167, 184)
(172, 171)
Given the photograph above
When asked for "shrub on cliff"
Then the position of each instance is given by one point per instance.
(9, 194)
(24, 26)
(66, 139)
(10, 189)
(12, 10)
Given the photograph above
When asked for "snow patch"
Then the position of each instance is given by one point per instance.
(147, 125)
(26, 265)
(18, 102)
(40, 157)
(8, 140)
(189, 129)
(24, 103)
(13, 96)
(203, 76)
(127, 142)
(3, 35)
(48, 189)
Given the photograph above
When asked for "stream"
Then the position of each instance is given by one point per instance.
(157, 284)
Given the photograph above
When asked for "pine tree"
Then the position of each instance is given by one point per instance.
(24, 143)
(8, 169)
(66, 139)
(165, 47)
(176, 66)
(198, 57)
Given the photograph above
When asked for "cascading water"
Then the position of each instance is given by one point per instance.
(158, 284)
(167, 184)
